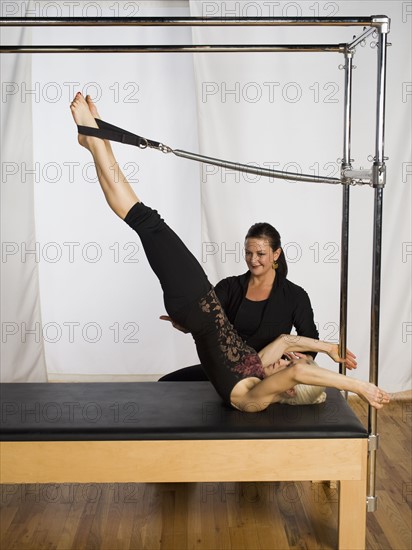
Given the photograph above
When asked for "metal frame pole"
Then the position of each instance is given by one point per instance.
(346, 165)
(378, 181)
(178, 48)
(373, 21)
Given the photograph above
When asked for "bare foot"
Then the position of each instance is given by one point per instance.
(83, 117)
(373, 395)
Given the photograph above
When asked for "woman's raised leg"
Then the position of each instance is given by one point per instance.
(181, 276)
(117, 190)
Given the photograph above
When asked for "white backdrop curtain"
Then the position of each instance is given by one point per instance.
(22, 351)
(99, 301)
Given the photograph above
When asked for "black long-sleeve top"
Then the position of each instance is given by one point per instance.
(288, 306)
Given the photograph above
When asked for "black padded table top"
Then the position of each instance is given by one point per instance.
(160, 411)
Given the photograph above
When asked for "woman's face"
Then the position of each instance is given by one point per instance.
(259, 256)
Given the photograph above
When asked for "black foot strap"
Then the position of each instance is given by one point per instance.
(113, 133)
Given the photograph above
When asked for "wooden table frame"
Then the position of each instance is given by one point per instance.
(343, 460)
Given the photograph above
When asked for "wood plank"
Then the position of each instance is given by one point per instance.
(352, 515)
(180, 461)
(392, 522)
(320, 501)
(74, 515)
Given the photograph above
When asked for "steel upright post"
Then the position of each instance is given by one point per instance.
(346, 164)
(378, 181)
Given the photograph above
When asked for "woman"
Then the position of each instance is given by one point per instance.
(244, 379)
(262, 303)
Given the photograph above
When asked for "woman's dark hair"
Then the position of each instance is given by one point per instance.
(264, 230)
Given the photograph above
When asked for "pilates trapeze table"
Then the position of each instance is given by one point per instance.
(148, 432)
(201, 440)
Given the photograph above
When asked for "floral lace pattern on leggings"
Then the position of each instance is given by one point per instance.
(239, 357)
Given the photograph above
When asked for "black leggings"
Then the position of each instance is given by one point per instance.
(191, 301)
(181, 276)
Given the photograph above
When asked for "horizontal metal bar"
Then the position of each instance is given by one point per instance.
(373, 20)
(255, 169)
(225, 48)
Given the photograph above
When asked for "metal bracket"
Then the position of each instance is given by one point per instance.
(355, 177)
(383, 21)
(378, 175)
(164, 148)
(357, 174)
(373, 442)
(371, 504)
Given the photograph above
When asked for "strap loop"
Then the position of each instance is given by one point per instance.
(113, 133)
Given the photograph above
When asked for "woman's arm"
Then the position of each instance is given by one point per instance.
(303, 318)
(288, 343)
(305, 371)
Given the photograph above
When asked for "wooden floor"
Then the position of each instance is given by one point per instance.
(213, 516)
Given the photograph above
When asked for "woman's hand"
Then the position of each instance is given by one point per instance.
(350, 360)
(175, 325)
